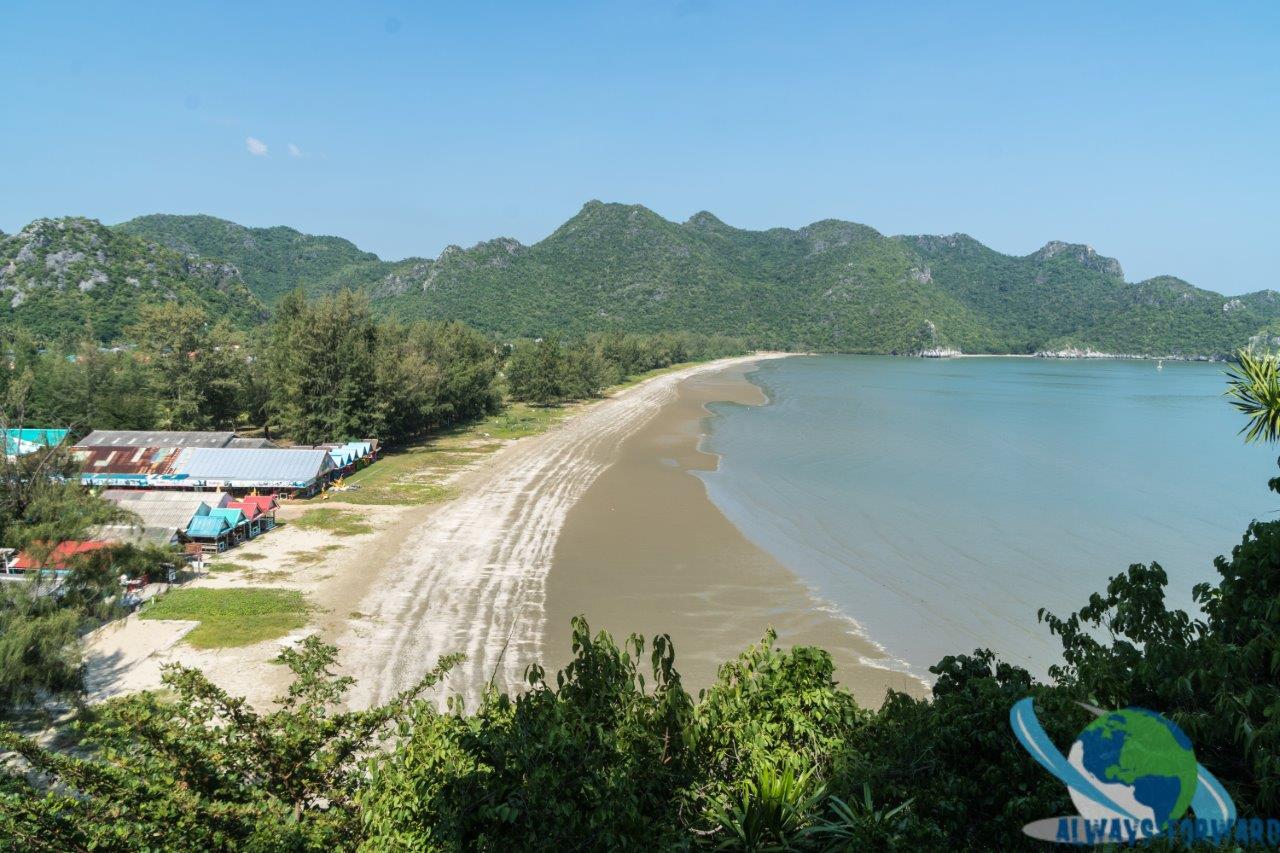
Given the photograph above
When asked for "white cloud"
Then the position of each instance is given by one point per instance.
(294, 151)
(256, 147)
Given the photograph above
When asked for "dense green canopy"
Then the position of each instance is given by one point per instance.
(832, 285)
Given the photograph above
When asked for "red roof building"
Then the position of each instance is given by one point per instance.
(262, 503)
(250, 510)
(60, 556)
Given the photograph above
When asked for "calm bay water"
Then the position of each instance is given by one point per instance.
(939, 504)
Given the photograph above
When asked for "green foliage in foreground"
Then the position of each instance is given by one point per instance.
(43, 616)
(613, 753)
(203, 771)
(232, 617)
(1253, 386)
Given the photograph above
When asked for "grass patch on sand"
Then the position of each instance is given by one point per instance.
(227, 566)
(402, 476)
(519, 420)
(417, 473)
(649, 374)
(232, 617)
(309, 558)
(253, 558)
(339, 522)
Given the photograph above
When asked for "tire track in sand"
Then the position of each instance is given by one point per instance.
(472, 579)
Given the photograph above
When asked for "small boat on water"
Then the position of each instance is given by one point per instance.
(1160, 364)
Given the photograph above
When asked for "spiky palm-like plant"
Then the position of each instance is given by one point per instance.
(1253, 384)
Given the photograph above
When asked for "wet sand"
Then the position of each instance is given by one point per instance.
(645, 550)
(471, 577)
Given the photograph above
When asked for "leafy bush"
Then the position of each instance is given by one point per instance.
(595, 761)
(203, 771)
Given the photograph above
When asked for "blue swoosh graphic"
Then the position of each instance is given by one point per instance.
(1211, 801)
(1032, 736)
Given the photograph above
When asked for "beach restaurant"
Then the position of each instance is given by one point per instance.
(298, 472)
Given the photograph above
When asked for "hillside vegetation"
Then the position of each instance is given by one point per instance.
(273, 261)
(830, 286)
(59, 277)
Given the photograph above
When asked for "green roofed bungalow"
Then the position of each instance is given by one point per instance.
(212, 532)
(236, 520)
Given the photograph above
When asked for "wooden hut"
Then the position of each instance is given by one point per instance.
(265, 505)
(211, 532)
(236, 520)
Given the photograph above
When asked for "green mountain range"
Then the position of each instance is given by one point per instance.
(832, 285)
(60, 277)
(273, 261)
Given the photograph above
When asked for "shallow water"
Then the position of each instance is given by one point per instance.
(940, 503)
(645, 550)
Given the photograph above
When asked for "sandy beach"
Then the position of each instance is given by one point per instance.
(600, 515)
(473, 578)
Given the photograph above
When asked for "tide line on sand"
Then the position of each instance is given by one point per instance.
(473, 578)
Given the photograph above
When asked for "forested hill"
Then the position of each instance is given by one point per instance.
(273, 261)
(832, 285)
(71, 277)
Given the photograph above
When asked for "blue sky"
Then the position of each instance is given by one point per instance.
(1148, 130)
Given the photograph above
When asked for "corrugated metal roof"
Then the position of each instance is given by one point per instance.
(233, 515)
(351, 449)
(247, 468)
(155, 438)
(251, 442)
(263, 503)
(60, 556)
(207, 527)
(174, 514)
(127, 497)
(127, 460)
(160, 515)
(250, 511)
(137, 534)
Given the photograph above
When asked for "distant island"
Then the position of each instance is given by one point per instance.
(832, 286)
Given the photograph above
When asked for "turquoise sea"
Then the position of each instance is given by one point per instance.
(940, 503)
